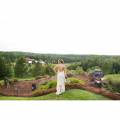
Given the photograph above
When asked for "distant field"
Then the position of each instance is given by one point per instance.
(74, 94)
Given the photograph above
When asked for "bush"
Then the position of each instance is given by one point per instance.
(79, 70)
(52, 84)
(112, 82)
(1, 83)
(75, 80)
(70, 73)
(47, 85)
(43, 87)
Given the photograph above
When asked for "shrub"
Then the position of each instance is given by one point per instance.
(1, 83)
(112, 82)
(52, 84)
(47, 85)
(75, 80)
(79, 70)
(43, 87)
(70, 73)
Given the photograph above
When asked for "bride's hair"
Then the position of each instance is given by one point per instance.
(61, 61)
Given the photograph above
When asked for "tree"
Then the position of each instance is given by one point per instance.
(49, 70)
(21, 67)
(107, 66)
(37, 70)
(9, 70)
(73, 66)
(3, 69)
(79, 70)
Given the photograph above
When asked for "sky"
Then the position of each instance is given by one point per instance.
(60, 26)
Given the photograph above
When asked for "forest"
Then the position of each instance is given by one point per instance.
(109, 64)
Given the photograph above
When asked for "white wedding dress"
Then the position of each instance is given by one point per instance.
(60, 83)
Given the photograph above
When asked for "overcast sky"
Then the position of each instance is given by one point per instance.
(60, 26)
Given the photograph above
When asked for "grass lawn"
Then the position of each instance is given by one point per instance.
(74, 94)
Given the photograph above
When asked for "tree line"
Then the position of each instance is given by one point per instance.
(14, 63)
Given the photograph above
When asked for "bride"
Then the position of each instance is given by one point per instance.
(61, 74)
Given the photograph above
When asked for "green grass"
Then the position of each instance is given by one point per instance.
(25, 78)
(1, 82)
(21, 79)
(115, 78)
(112, 82)
(75, 80)
(74, 94)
